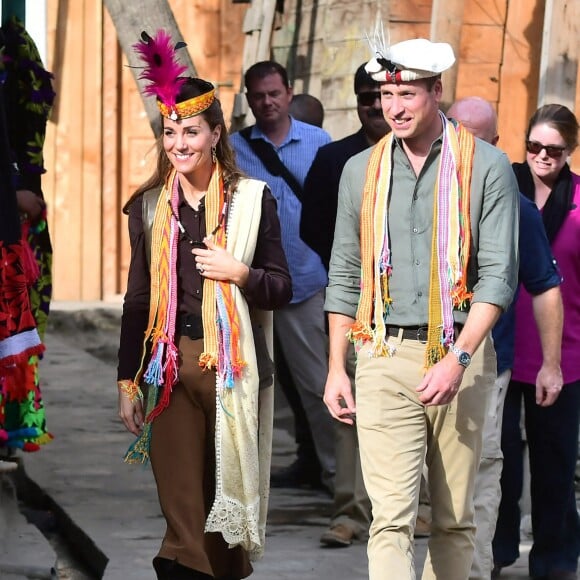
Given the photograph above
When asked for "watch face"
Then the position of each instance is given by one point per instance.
(464, 358)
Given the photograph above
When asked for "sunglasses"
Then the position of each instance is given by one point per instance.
(368, 99)
(553, 151)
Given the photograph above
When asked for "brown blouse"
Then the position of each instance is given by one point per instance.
(268, 286)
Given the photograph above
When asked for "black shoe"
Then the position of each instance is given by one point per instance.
(497, 567)
(297, 475)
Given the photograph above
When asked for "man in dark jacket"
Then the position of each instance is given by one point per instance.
(352, 511)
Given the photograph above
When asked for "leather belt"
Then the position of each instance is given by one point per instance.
(416, 332)
(191, 325)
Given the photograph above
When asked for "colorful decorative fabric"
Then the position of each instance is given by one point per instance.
(22, 420)
(26, 267)
(29, 100)
(450, 246)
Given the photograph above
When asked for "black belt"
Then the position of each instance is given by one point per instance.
(191, 325)
(416, 332)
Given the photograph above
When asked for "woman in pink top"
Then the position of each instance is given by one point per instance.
(551, 429)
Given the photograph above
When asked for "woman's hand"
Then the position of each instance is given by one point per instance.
(130, 406)
(217, 263)
(30, 204)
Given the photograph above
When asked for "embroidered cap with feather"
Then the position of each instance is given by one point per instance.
(163, 72)
(407, 61)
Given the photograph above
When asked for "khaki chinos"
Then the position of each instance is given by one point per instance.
(397, 434)
(352, 506)
(487, 481)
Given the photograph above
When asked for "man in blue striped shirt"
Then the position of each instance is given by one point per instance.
(300, 326)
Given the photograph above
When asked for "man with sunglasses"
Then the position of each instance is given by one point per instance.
(539, 276)
(352, 511)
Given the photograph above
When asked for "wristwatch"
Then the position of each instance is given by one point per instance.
(463, 357)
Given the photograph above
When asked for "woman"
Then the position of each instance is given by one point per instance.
(551, 430)
(27, 98)
(206, 261)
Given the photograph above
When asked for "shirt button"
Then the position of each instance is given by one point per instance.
(419, 294)
(415, 230)
(197, 291)
(417, 262)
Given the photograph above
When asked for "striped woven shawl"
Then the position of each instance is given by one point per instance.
(450, 251)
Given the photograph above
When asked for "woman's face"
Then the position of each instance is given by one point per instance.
(188, 143)
(544, 166)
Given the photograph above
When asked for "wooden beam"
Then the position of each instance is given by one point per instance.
(90, 158)
(559, 61)
(519, 74)
(258, 26)
(446, 25)
(130, 19)
(111, 218)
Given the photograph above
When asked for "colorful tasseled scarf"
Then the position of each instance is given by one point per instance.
(221, 340)
(450, 246)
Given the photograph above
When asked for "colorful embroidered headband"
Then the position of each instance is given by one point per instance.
(163, 72)
(189, 108)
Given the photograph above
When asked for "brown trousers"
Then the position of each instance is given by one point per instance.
(183, 461)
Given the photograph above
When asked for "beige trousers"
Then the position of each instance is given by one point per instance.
(397, 434)
(487, 481)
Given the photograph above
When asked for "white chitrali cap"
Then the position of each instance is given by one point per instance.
(409, 60)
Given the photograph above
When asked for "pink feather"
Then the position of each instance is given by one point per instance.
(162, 68)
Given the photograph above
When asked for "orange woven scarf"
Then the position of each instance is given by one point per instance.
(450, 252)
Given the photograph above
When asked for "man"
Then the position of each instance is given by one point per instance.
(300, 326)
(430, 279)
(307, 108)
(352, 511)
(321, 186)
(538, 274)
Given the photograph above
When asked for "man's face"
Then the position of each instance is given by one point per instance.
(269, 99)
(370, 112)
(411, 108)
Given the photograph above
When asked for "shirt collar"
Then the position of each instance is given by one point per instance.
(182, 202)
(296, 133)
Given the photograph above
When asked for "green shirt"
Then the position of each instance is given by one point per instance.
(492, 267)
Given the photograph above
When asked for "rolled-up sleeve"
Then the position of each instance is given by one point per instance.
(342, 294)
(496, 247)
(538, 271)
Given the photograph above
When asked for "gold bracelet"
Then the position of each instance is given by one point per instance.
(130, 390)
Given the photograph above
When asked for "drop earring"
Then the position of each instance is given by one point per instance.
(213, 154)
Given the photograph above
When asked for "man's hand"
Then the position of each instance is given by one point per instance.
(548, 385)
(441, 382)
(338, 397)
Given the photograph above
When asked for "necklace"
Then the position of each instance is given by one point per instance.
(185, 235)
